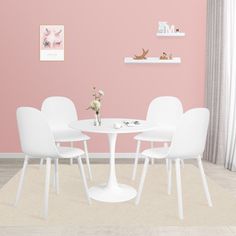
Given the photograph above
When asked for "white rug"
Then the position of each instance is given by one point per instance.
(156, 208)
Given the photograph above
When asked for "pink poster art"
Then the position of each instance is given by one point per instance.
(51, 42)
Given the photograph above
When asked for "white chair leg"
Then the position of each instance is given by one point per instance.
(41, 162)
(53, 176)
(47, 185)
(21, 180)
(56, 175)
(204, 181)
(182, 163)
(167, 169)
(167, 166)
(140, 188)
(87, 159)
(169, 176)
(179, 189)
(136, 159)
(80, 164)
(152, 160)
(71, 159)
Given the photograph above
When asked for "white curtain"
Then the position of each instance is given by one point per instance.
(221, 82)
(215, 82)
(229, 75)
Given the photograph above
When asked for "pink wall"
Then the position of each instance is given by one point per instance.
(98, 35)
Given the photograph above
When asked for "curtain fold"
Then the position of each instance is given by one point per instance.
(214, 81)
(230, 76)
(221, 82)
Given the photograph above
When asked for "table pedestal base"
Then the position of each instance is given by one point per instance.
(119, 193)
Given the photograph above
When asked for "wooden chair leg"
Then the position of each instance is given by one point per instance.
(179, 189)
(204, 181)
(140, 188)
(19, 190)
(80, 164)
(47, 186)
(87, 159)
(136, 159)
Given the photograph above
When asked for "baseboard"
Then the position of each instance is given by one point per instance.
(95, 155)
(104, 155)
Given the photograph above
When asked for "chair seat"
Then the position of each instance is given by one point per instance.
(161, 153)
(69, 152)
(156, 153)
(69, 135)
(158, 135)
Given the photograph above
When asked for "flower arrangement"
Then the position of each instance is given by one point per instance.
(95, 104)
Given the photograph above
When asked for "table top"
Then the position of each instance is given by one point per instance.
(107, 126)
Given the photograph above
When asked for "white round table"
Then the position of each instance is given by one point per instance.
(112, 191)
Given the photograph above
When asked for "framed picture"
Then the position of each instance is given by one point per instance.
(51, 42)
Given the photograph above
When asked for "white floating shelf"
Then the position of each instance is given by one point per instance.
(152, 60)
(176, 34)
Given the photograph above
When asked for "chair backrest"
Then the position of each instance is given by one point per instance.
(36, 137)
(60, 111)
(190, 136)
(165, 110)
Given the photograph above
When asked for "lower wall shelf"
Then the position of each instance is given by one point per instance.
(175, 34)
(152, 60)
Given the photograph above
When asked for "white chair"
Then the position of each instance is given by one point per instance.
(164, 111)
(188, 143)
(60, 112)
(37, 141)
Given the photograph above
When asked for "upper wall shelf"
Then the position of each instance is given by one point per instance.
(168, 30)
(152, 60)
(176, 34)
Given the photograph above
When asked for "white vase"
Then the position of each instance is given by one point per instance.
(97, 120)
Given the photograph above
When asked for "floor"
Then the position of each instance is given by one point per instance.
(223, 177)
